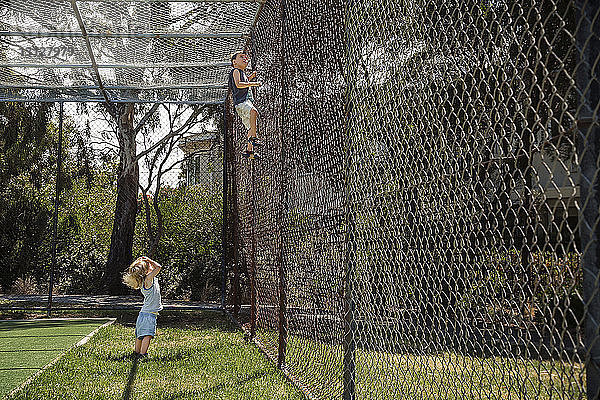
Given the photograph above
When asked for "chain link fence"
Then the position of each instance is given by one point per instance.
(61, 236)
(423, 222)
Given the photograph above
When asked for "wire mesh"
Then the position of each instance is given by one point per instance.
(177, 204)
(139, 48)
(423, 221)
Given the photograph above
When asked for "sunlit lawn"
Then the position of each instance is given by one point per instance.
(433, 375)
(206, 359)
(27, 346)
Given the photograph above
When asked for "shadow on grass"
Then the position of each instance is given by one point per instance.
(196, 320)
(178, 356)
(183, 394)
(123, 357)
(131, 379)
(38, 324)
(173, 355)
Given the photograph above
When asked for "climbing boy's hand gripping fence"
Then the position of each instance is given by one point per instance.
(424, 221)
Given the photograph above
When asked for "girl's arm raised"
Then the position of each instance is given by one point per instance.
(155, 268)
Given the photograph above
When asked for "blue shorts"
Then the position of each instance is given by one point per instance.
(145, 325)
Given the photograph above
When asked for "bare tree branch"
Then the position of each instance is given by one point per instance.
(177, 132)
(145, 118)
(186, 158)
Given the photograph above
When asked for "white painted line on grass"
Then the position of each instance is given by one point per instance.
(51, 363)
(89, 336)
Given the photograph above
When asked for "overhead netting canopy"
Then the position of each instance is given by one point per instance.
(99, 50)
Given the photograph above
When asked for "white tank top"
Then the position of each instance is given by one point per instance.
(152, 300)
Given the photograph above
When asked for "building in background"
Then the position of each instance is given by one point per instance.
(203, 163)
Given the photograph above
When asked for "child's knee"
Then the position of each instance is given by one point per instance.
(254, 112)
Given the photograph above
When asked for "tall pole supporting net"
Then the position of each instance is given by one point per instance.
(423, 222)
(588, 151)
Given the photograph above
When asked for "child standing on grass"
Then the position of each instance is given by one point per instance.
(239, 85)
(141, 274)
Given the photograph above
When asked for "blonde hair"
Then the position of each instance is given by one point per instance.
(136, 273)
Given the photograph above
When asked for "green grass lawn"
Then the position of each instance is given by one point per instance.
(27, 346)
(205, 357)
(442, 375)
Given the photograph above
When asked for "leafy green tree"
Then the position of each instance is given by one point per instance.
(27, 162)
(190, 247)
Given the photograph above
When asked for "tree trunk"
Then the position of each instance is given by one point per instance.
(121, 241)
(154, 240)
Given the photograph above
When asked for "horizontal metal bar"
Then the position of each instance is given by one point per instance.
(171, 1)
(151, 35)
(101, 100)
(117, 87)
(118, 66)
(135, 308)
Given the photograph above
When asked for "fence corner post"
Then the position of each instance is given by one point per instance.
(349, 338)
(588, 151)
(225, 219)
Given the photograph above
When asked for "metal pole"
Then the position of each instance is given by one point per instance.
(349, 342)
(110, 107)
(175, 1)
(98, 100)
(588, 149)
(283, 324)
(95, 65)
(130, 35)
(234, 216)
(253, 288)
(118, 87)
(253, 300)
(225, 216)
(56, 204)
(253, 26)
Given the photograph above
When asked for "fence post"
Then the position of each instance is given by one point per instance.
(233, 216)
(225, 208)
(253, 289)
(588, 143)
(349, 372)
(56, 204)
(349, 342)
(282, 285)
